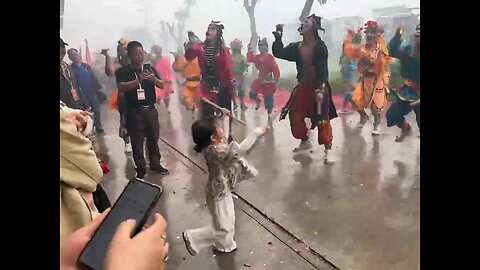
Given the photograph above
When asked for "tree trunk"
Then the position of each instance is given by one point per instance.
(250, 8)
(306, 10)
(253, 30)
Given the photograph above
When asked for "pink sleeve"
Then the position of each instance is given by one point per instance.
(167, 69)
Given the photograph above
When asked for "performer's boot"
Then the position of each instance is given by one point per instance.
(406, 131)
(328, 155)
(363, 118)
(376, 124)
(304, 145)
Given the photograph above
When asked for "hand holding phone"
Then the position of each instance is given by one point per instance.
(145, 251)
(135, 203)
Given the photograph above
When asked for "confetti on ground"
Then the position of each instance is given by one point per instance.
(247, 265)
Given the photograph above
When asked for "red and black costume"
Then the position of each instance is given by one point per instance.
(217, 74)
(303, 100)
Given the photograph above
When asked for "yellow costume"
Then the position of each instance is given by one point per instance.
(192, 73)
(371, 89)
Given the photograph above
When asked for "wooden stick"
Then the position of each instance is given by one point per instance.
(218, 107)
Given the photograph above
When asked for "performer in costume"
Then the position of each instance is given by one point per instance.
(163, 66)
(240, 67)
(372, 59)
(192, 73)
(408, 97)
(268, 75)
(312, 97)
(110, 68)
(218, 81)
(348, 69)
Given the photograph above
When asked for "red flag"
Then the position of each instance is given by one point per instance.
(88, 58)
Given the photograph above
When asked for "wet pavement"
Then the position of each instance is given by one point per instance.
(360, 213)
(183, 206)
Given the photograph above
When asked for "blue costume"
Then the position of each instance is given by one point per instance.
(408, 97)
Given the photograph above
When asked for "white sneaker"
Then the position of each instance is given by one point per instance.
(328, 157)
(376, 131)
(304, 145)
(128, 148)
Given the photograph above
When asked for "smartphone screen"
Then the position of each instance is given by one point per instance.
(136, 202)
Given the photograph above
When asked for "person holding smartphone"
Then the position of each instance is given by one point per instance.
(137, 81)
(145, 251)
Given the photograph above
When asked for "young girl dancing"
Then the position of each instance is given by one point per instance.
(225, 168)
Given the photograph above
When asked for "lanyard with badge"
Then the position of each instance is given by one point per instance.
(140, 90)
(66, 74)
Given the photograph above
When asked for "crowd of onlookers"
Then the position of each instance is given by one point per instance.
(83, 203)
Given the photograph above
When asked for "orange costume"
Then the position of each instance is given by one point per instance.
(191, 71)
(370, 91)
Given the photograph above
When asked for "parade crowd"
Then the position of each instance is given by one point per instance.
(213, 87)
